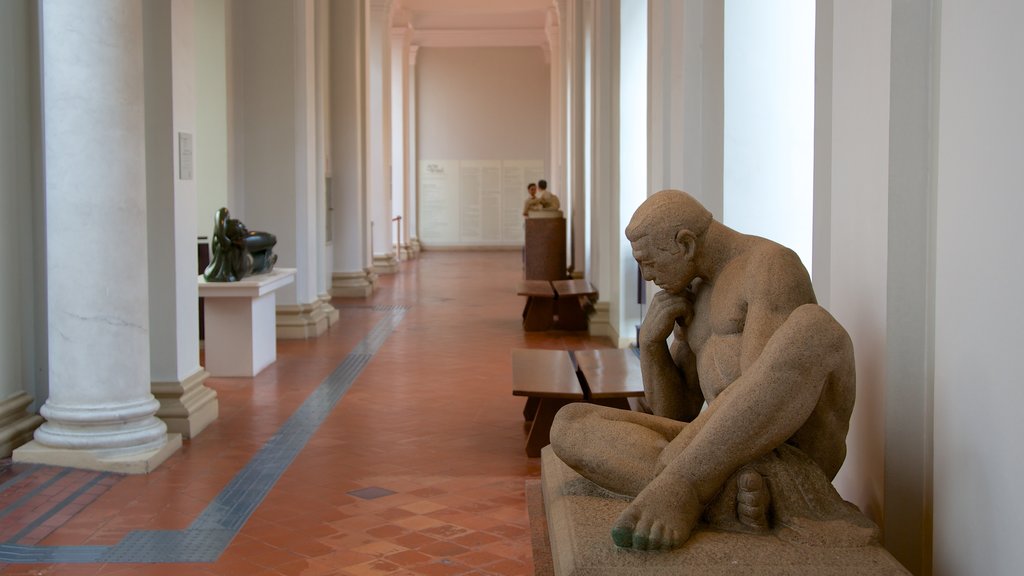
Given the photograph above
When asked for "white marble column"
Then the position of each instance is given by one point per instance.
(100, 413)
(324, 241)
(186, 405)
(378, 135)
(17, 186)
(400, 37)
(351, 276)
(274, 49)
(606, 240)
(685, 98)
(412, 161)
(574, 196)
(553, 30)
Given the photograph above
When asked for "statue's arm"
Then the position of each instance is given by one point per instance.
(669, 376)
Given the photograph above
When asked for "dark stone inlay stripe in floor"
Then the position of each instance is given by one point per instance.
(34, 492)
(16, 476)
(217, 525)
(58, 507)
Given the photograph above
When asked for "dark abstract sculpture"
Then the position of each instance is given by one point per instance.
(235, 252)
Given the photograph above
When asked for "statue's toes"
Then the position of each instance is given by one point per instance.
(622, 534)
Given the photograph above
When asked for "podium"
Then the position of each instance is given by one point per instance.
(241, 322)
(544, 247)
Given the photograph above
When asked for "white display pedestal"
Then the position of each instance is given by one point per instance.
(240, 322)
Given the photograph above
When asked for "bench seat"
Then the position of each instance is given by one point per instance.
(610, 376)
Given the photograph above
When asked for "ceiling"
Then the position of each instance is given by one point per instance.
(474, 22)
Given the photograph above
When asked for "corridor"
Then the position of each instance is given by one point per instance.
(390, 445)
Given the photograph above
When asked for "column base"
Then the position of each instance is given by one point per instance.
(352, 284)
(187, 407)
(405, 252)
(385, 263)
(414, 244)
(16, 425)
(601, 322)
(330, 312)
(300, 321)
(144, 463)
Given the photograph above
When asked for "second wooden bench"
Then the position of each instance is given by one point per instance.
(557, 304)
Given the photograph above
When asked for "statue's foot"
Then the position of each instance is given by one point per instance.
(752, 499)
(661, 517)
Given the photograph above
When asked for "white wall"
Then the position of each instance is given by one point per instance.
(978, 309)
(769, 120)
(481, 104)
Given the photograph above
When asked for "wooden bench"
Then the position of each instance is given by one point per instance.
(539, 312)
(559, 304)
(550, 379)
(572, 298)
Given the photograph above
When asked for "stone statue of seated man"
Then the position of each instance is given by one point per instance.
(775, 370)
(235, 252)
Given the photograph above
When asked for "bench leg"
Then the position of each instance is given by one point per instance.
(538, 314)
(540, 432)
(570, 314)
(530, 409)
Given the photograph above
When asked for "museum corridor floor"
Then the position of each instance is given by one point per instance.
(389, 445)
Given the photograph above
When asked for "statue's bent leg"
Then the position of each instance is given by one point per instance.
(616, 449)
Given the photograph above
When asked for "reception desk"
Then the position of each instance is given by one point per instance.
(240, 321)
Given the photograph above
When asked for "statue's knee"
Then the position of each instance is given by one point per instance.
(568, 416)
(565, 428)
(818, 324)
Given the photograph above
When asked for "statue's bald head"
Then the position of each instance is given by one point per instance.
(668, 212)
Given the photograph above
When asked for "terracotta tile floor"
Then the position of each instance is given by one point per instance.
(418, 469)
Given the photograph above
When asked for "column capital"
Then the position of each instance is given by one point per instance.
(551, 27)
(414, 51)
(381, 5)
(402, 32)
(557, 9)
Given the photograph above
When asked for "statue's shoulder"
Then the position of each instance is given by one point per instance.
(776, 272)
(762, 252)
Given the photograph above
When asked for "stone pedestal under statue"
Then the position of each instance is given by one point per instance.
(579, 514)
(544, 247)
(241, 333)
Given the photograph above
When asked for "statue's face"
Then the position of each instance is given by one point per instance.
(663, 263)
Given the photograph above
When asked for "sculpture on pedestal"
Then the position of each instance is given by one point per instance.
(235, 252)
(544, 201)
(775, 370)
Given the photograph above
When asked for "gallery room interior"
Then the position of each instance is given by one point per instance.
(357, 415)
